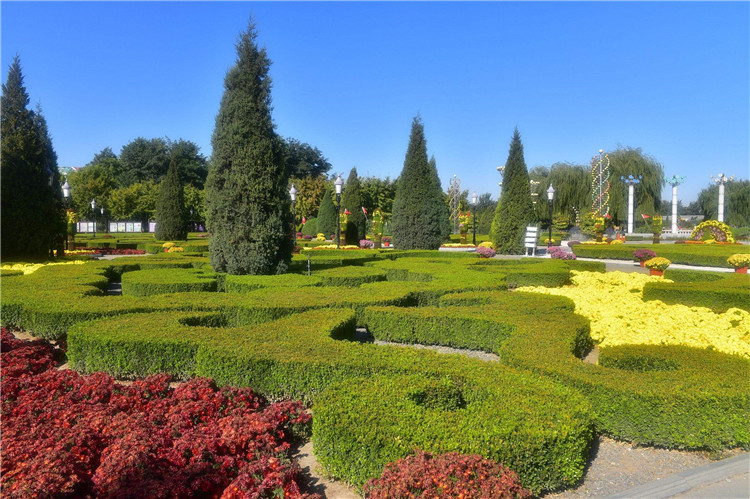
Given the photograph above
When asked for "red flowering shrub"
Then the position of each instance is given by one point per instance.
(87, 436)
(116, 251)
(446, 475)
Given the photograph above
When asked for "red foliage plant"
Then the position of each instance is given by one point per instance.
(446, 475)
(64, 434)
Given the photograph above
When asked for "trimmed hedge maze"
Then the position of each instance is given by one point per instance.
(536, 410)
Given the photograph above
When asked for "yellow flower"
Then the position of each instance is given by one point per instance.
(30, 268)
(168, 245)
(633, 321)
(739, 260)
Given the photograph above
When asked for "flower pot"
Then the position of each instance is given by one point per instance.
(740, 270)
(643, 263)
(385, 245)
(656, 272)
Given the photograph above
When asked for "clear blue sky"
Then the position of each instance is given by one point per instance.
(670, 78)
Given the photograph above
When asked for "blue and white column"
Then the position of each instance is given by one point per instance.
(674, 182)
(630, 181)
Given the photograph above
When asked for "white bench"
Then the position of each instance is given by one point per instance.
(532, 232)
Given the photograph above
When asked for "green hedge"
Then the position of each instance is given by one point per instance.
(350, 276)
(361, 425)
(245, 283)
(718, 294)
(170, 280)
(702, 255)
(545, 433)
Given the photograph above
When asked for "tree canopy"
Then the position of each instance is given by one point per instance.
(247, 201)
(303, 160)
(420, 214)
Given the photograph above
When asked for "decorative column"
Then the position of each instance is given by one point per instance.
(674, 182)
(630, 180)
(721, 180)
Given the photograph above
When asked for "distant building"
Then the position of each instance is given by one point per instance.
(67, 169)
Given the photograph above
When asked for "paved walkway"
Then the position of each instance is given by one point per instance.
(729, 478)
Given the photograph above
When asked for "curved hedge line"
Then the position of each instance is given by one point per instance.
(719, 293)
(160, 281)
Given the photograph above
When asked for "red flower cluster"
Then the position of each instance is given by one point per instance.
(446, 475)
(87, 436)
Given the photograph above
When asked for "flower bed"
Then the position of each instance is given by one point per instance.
(446, 475)
(70, 435)
(650, 322)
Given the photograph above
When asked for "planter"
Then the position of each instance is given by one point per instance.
(740, 270)
(657, 239)
(385, 245)
(656, 272)
(643, 263)
(462, 239)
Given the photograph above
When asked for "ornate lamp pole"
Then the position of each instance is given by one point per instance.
(66, 196)
(474, 217)
(104, 220)
(93, 214)
(338, 183)
(675, 181)
(721, 180)
(550, 197)
(501, 171)
(631, 181)
(293, 195)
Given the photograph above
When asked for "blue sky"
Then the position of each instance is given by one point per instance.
(671, 78)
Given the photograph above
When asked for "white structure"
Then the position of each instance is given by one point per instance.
(631, 181)
(721, 180)
(674, 182)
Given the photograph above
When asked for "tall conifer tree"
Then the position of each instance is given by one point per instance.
(515, 209)
(351, 199)
(171, 222)
(247, 203)
(327, 213)
(30, 197)
(420, 214)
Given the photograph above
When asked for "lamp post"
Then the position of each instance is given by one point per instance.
(675, 181)
(630, 181)
(104, 220)
(474, 217)
(93, 214)
(550, 197)
(192, 223)
(66, 197)
(338, 183)
(721, 180)
(293, 195)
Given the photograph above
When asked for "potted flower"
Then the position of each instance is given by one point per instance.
(740, 262)
(386, 241)
(464, 223)
(641, 255)
(657, 265)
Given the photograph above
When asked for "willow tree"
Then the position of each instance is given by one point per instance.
(572, 184)
(247, 203)
(626, 161)
(514, 210)
(736, 203)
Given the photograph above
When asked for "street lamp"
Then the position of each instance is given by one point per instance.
(550, 197)
(474, 217)
(338, 183)
(66, 196)
(721, 180)
(93, 214)
(104, 220)
(631, 181)
(293, 195)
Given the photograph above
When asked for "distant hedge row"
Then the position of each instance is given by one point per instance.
(702, 255)
(719, 292)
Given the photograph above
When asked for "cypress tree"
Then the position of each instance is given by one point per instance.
(420, 214)
(247, 203)
(327, 213)
(30, 197)
(515, 209)
(171, 222)
(351, 199)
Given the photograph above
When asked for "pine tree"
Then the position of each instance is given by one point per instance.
(420, 213)
(30, 197)
(171, 222)
(247, 203)
(327, 213)
(351, 199)
(515, 209)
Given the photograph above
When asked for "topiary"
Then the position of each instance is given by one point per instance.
(515, 210)
(327, 213)
(171, 220)
(420, 213)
